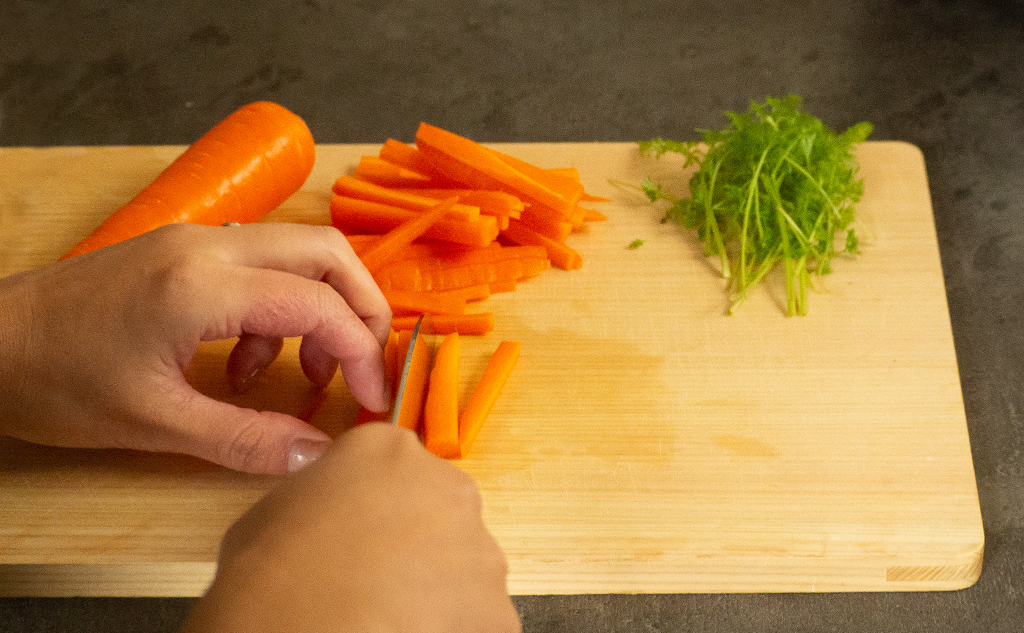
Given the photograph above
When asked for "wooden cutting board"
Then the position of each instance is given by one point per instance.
(646, 442)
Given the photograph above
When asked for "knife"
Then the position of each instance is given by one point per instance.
(421, 327)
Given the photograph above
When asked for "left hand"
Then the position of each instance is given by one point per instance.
(93, 348)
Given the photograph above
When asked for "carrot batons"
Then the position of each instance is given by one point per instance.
(441, 411)
(486, 393)
(394, 241)
(411, 407)
(475, 323)
(527, 214)
(245, 166)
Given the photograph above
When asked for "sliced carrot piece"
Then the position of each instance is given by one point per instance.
(496, 374)
(441, 411)
(498, 203)
(556, 228)
(475, 323)
(365, 190)
(377, 170)
(351, 215)
(568, 187)
(561, 255)
(406, 302)
(409, 157)
(384, 250)
(411, 410)
(572, 172)
(472, 164)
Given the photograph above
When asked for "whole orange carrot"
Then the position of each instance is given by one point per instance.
(245, 166)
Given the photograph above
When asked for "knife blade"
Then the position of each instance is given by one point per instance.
(421, 327)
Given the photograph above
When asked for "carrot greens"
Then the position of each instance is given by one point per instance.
(776, 186)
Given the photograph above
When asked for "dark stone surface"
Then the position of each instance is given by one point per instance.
(947, 76)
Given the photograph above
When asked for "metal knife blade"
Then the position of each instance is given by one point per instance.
(396, 409)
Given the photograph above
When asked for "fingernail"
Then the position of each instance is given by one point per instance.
(303, 453)
(246, 382)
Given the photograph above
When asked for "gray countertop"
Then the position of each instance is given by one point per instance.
(947, 76)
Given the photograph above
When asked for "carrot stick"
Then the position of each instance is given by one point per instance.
(475, 323)
(556, 228)
(477, 292)
(409, 157)
(472, 164)
(411, 410)
(406, 302)
(394, 352)
(383, 250)
(572, 172)
(364, 190)
(245, 166)
(593, 215)
(442, 275)
(567, 187)
(560, 254)
(377, 170)
(361, 216)
(486, 393)
(441, 411)
(498, 203)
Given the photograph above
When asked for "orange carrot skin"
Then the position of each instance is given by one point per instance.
(244, 167)
(441, 411)
(496, 374)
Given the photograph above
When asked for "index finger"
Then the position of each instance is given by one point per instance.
(320, 253)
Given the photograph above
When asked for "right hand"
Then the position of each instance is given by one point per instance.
(378, 535)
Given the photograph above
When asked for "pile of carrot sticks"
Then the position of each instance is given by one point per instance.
(440, 225)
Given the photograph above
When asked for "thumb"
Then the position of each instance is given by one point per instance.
(261, 442)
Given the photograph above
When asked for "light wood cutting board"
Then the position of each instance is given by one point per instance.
(646, 442)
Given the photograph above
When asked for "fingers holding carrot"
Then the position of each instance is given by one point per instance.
(112, 330)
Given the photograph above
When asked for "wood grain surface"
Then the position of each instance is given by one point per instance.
(646, 442)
